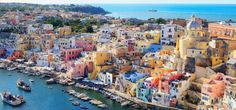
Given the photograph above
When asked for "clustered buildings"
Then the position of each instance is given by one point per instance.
(179, 64)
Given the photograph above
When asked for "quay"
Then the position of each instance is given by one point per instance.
(140, 102)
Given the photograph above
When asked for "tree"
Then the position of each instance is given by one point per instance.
(89, 29)
(161, 21)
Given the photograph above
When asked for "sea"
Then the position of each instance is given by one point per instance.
(211, 12)
(48, 97)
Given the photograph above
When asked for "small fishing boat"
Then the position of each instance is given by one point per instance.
(125, 103)
(83, 107)
(76, 103)
(86, 98)
(31, 80)
(95, 102)
(12, 100)
(50, 81)
(70, 99)
(11, 68)
(102, 106)
(22, 85)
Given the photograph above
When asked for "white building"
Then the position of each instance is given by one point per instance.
(106, 78)
(47, 27)
(42, 60)
(105, 35)
(168, 34)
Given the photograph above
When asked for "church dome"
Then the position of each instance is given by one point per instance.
(193, 24)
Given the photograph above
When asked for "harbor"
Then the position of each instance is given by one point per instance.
(38, 98)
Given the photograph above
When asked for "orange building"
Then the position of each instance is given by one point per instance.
(17, 54)
(222, 30)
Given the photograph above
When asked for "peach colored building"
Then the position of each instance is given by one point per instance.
(222, 30)
(85, 44)
(69, 54)
(213, 89)
(77, 69)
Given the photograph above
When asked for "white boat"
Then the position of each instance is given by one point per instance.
(51, 81)
(11, 99)
(102, 106)
(76, 103)
(22, 85)
(125, 103)
(86, 98)
(11, 69)
(31, 80)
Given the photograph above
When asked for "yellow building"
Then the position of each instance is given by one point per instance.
(153, 36)
(102, 62)
(193, 39)
(101, 58)
(64, 31)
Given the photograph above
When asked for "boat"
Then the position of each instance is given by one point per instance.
(22, 85)
(11, 68)
(83, 107)
(71, 83)
(70, 99)
(125, 103)
(50, 81)
(95, 102)
(12, 100)
(31, 80)
(76, 103)
(82, 95)
(102, 106)
(86, 98)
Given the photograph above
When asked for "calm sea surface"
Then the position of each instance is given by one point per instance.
(213, 12)
(44, 98)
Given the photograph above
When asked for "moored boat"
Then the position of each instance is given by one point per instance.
(125, 103)
(12, 100)
(102, 106)
(31, 80)
(83, 107)
(51, 81)
(86, 98)
(95, 102)
(11, 68)
(76, 103)
(22, 85)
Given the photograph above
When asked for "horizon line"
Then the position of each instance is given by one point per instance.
(120, 3)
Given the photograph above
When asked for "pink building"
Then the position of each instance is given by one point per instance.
(213, 89)
(70, 54)
(90, 66)
(77, 69)
(85, 44)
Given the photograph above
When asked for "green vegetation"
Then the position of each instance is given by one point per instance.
(76, 24)
(161, 21)
(86, 9)
(56, 22)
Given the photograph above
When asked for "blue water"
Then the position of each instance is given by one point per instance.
(213, 12)
(44, 98)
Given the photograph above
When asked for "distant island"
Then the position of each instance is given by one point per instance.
(74, 8)
(152, 10)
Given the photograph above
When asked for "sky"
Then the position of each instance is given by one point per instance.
(121, 1)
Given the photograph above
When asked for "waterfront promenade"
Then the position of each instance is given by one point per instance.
(138, 101)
